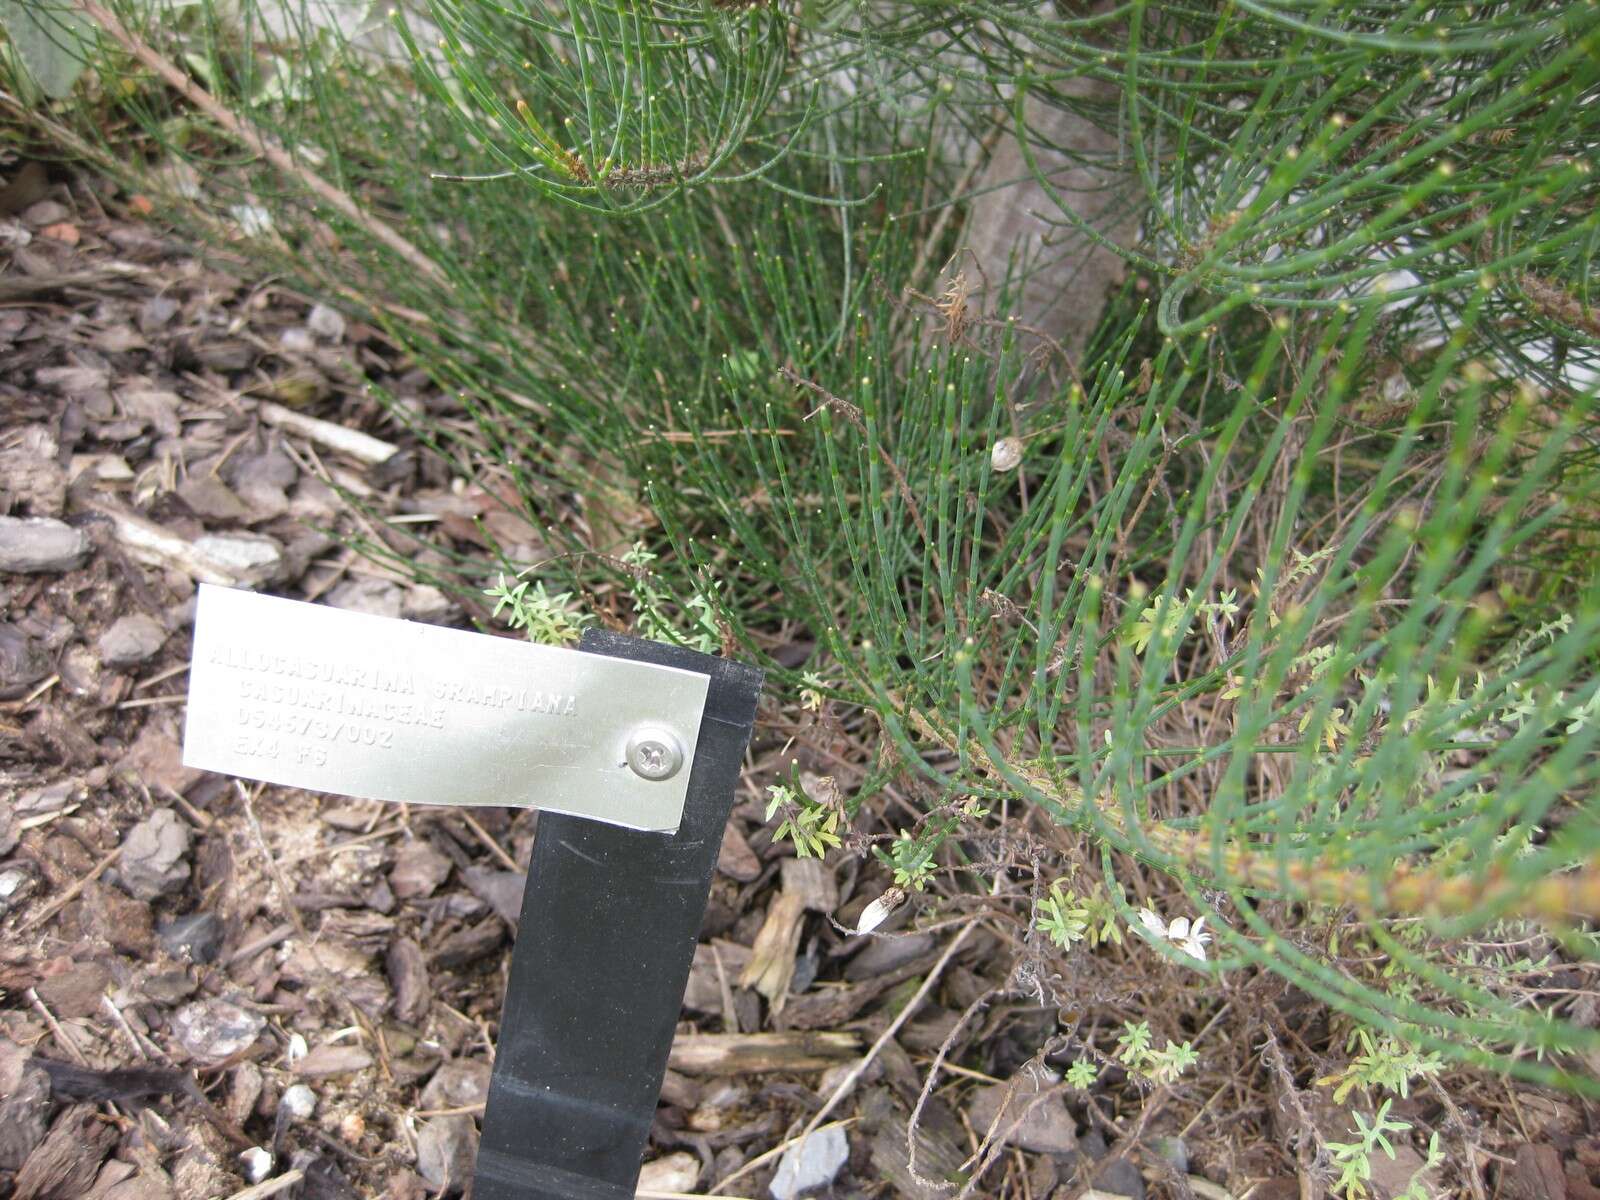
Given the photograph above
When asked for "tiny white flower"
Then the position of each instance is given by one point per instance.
(296, 1050)
(1190, 937)
(1194, 945)
(878, 911)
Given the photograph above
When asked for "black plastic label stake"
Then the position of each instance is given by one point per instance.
(609, 923)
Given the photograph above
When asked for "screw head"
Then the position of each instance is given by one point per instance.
(654, 753)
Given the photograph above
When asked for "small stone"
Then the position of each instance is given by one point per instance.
(152, 861)
(446, 1150)
(249, 557)
(675, 1173)
(679, 1091)
(333, 1060)
(131, 640)
(378, 597)
(167, 987)
(212, 1030)
(456, 1084)
(80, 671)
(1120, 1178)
(255, 1164)
(298, 1101)
(197, 936)
(1047, 1129)
(208, 498)
(16, 885)
(811, 1164)
(327, 323)
(418, 869)
(38, 545)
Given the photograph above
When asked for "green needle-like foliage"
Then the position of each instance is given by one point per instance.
(1285, 590)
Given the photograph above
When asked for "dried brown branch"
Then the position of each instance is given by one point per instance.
(281, 159)
(1424, 891)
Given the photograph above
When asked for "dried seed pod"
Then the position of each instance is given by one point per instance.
(1006, 454)
(878, 911)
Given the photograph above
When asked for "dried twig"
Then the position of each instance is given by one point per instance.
(1430, 890)
(196, 95)
(149, 543)
(945, 1047)
(60, 1034)
(493, 846)
(357, 445)
(71, 894)
(848, 1083)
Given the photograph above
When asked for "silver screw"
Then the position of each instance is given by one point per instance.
(654, 753)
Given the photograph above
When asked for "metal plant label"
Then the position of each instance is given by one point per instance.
(384, 709)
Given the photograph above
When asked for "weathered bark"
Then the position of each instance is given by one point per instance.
(1018, 229)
